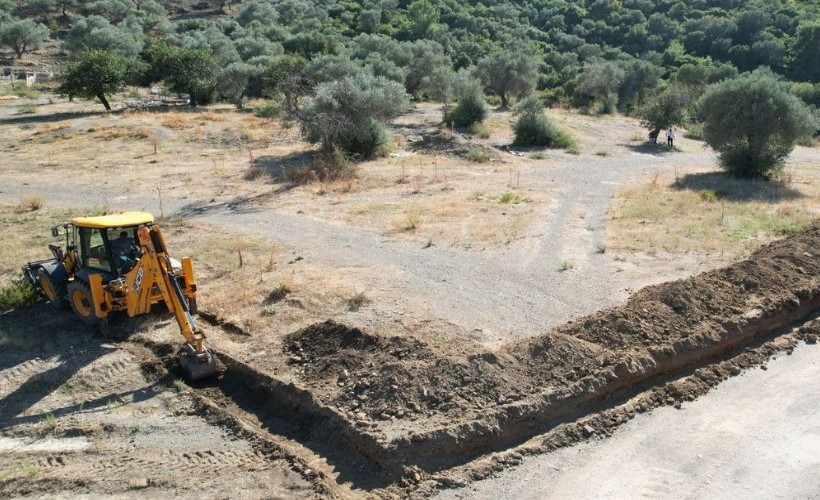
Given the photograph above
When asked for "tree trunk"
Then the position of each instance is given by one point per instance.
(505, 101)
(104, 101)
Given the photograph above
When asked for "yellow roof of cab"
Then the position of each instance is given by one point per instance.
(122, 219)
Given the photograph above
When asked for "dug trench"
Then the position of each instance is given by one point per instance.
(396, 410)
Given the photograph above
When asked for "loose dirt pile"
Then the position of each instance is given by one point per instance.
(435, 405)
(399, 377)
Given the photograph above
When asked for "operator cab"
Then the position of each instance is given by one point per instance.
(109, 244)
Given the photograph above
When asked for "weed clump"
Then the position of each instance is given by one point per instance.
(278, 293)
(711, 195)
(480, 130)
(479, 155)
(18, 294)
(357, 300)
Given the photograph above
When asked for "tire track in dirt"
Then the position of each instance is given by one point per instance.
(158, 464)
(10, 378)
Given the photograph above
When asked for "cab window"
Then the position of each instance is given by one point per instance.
(93, 248)
(124, 248)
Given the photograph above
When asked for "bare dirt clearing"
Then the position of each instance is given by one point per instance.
(442, 276)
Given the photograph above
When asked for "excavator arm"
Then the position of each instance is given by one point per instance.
(156, 267)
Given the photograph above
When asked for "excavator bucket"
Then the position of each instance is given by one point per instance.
(196, 366)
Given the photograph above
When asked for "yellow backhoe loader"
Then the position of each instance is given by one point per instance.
(119, 263)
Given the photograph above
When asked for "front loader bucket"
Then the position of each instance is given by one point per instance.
(197, 366)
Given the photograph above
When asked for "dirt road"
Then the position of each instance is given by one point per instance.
(754, 436)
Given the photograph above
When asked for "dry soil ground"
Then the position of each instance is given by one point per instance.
(442, 262)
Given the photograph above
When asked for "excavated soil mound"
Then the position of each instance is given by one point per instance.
(434, 405)
(398, 377)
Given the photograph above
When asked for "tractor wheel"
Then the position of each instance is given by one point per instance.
(79, 295)
(55, 291)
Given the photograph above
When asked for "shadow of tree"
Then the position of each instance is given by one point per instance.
(240, 205)
(51, 117)
(738, 189)
(648, 148)
(293, 168)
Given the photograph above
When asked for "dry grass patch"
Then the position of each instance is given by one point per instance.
(270, 282)
(718, 215)
(31, 203)
(256, 136)
(409, 221)
(210, 116)
(110, 133)
(177, 121)
(50, 128)
(141, 133)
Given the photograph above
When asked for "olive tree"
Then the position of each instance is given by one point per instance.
(95, 74)
(348, 115)
(234, 81)
(753, 122)
(22, 35)
(186, 70)
(601, 80)
(95, 32)
(667, 109)
(508, 73)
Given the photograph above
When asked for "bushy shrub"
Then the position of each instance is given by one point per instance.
(349, 114)
(533, 128)
(18, 294)
(471, 107)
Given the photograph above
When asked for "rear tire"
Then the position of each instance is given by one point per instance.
(79, 295)
(54, 290)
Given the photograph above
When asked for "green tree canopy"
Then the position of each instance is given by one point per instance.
(601, 80)
(96, 74)
(805, 65)
(753, 122)
(668, 109)
(508, 73)
(95, 32)
(22, 35)
(187, 71)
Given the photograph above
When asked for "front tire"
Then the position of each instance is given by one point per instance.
(79, 295)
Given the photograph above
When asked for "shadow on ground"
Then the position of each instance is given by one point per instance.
(47, 118)
(737, 189)
(238, 205)
(293, 168)
(43, 333)
(647, 148)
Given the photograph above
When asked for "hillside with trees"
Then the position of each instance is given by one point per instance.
(600, 55)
